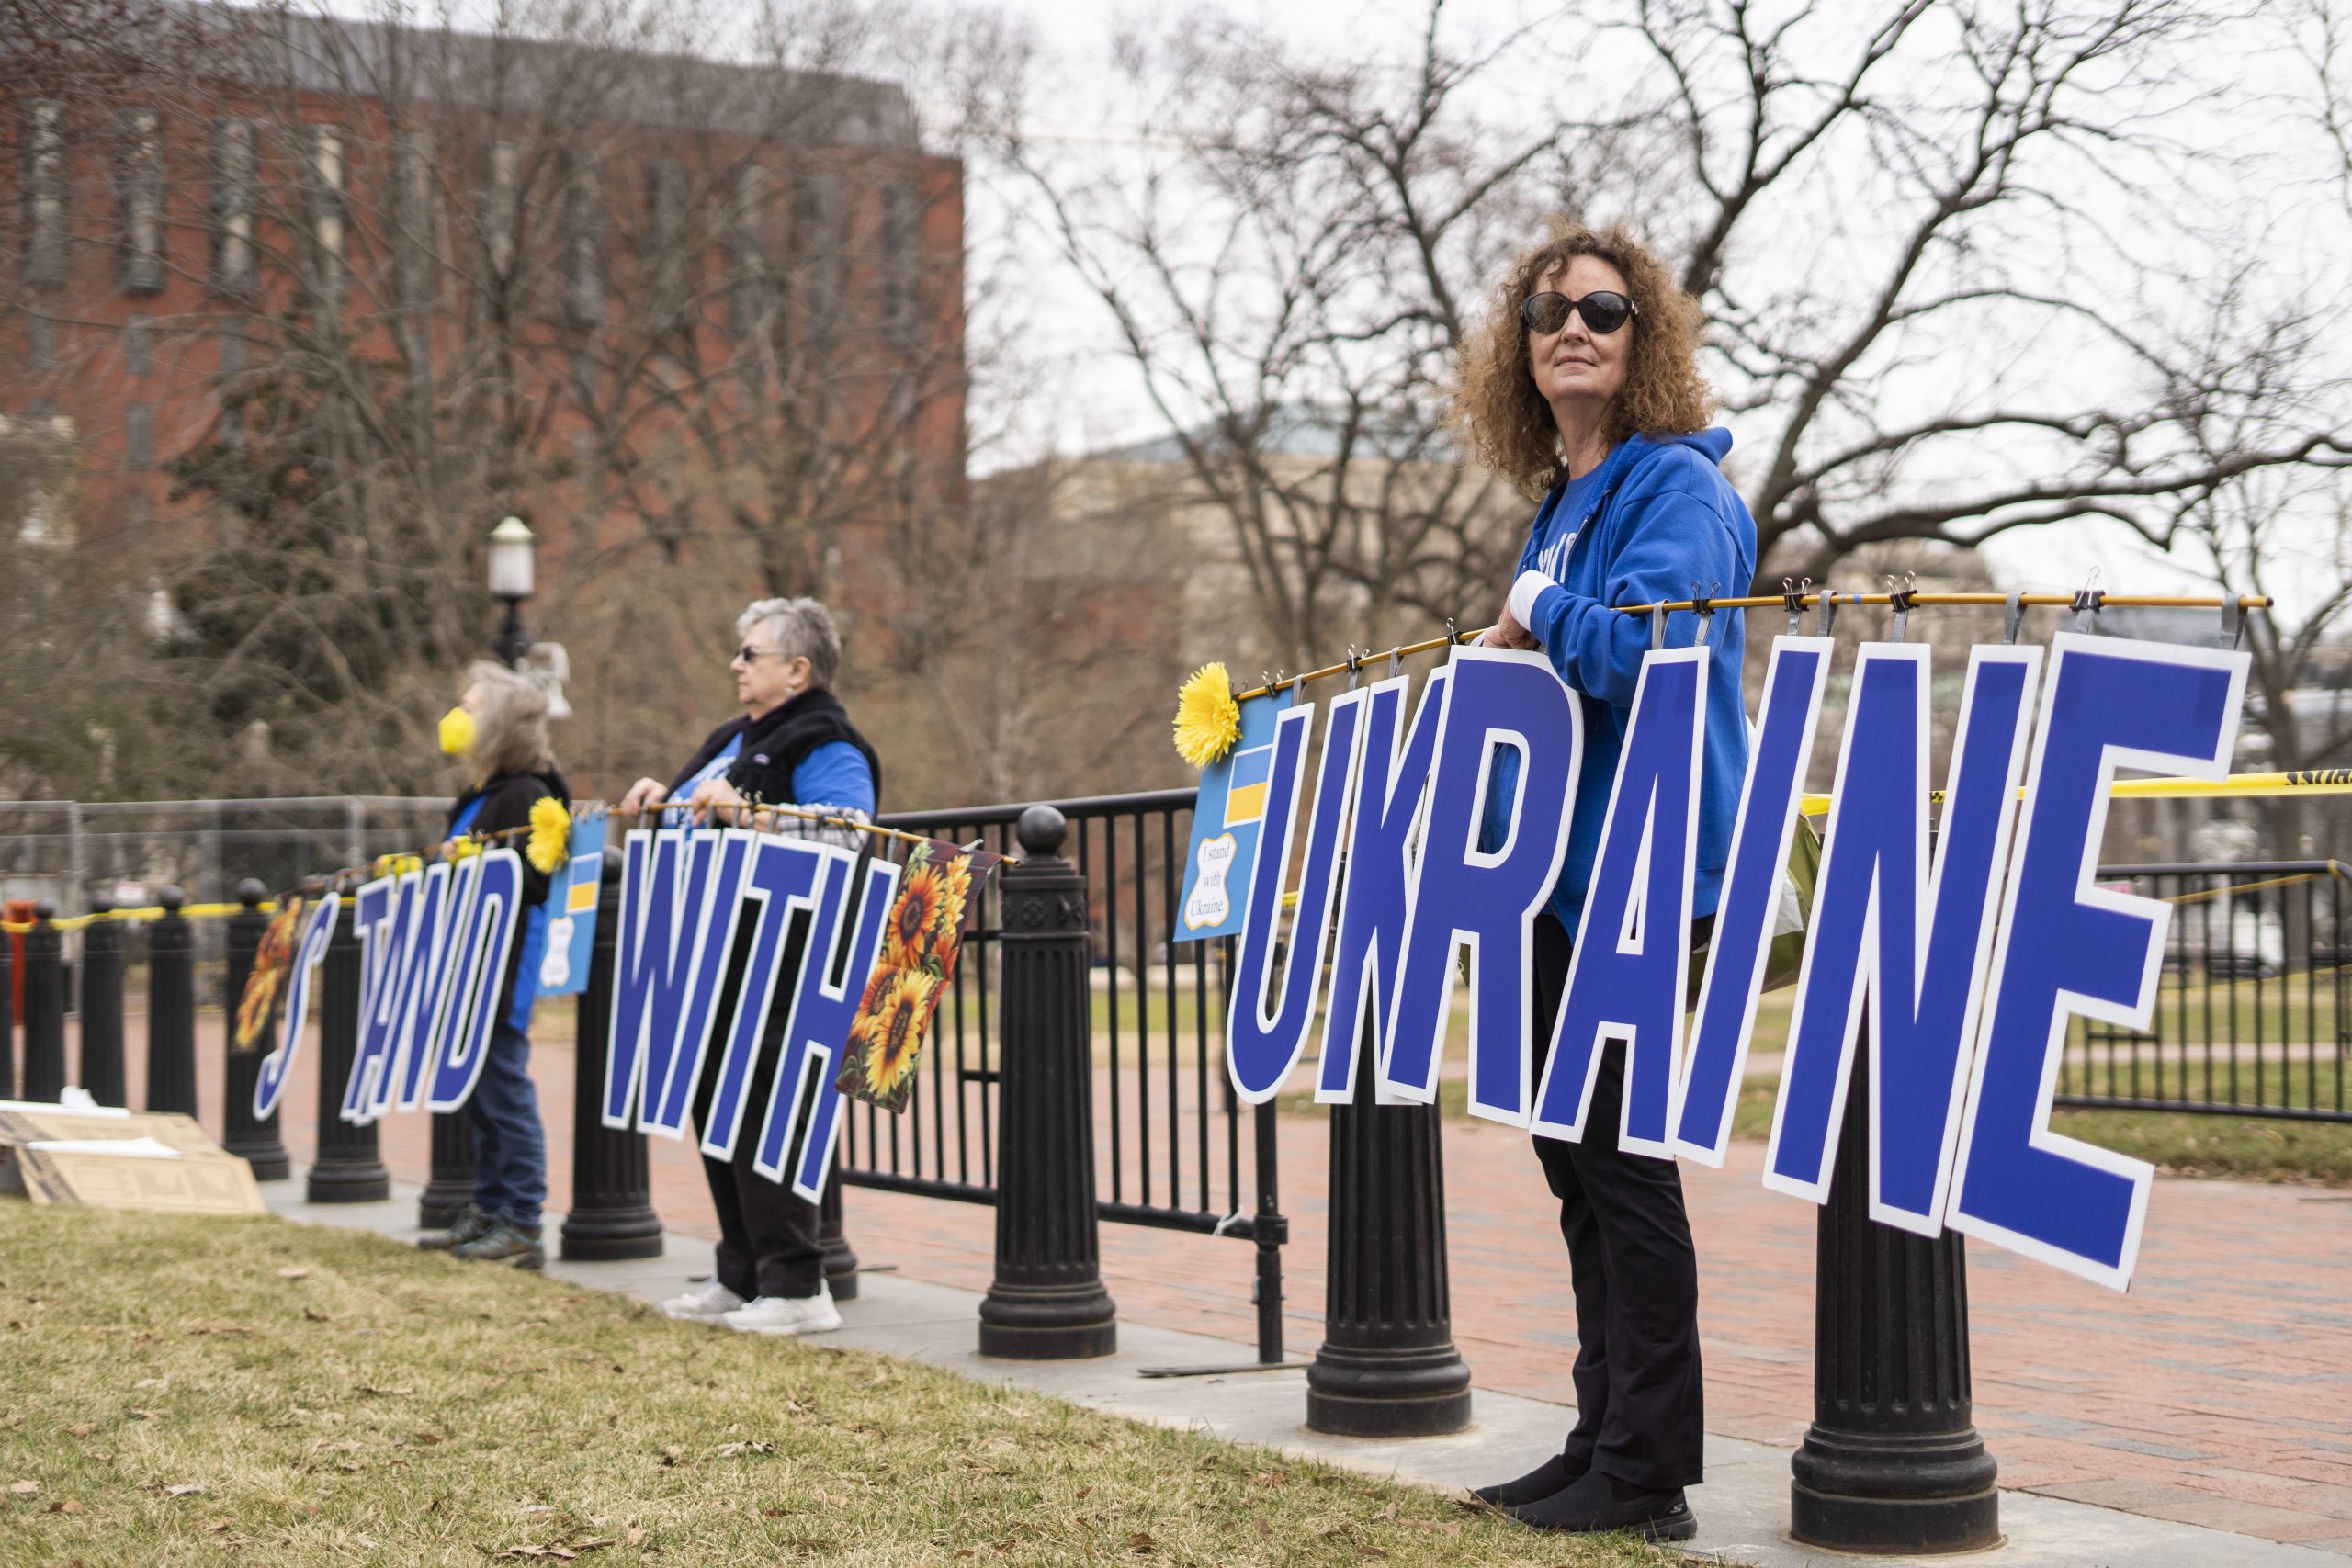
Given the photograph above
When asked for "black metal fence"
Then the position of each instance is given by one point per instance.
(2251, 1015)
(1171, 1148)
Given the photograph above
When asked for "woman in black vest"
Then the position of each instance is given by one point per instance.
(794, 745)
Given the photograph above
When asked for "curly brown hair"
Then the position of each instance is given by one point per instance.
(1507, 421)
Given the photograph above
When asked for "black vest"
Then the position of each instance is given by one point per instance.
(777, 742)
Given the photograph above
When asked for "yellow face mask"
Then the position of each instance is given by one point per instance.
(457, 732)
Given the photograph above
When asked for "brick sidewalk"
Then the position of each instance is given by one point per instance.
(2214, 1394)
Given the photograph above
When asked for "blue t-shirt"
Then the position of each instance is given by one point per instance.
(834, 775)
(715, 768)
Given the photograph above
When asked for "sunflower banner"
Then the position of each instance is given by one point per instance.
(918, 959)
(257, 1007)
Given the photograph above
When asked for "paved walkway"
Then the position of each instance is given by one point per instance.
(1741, 1509)
(2215, 1393)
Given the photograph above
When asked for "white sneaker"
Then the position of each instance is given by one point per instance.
(787, 1315)
(707, 1303)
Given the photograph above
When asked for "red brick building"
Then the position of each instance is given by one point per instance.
(695, 321)
(611, 252)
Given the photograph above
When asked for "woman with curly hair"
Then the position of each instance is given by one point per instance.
(1583, 390)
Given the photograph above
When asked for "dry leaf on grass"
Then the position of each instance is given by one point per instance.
(386, 1392)
(671, 1455)
(1140, 1542)
(293, 1273)
(185, 1489)
(81, 1428)
(24, 1489)
(729, 1450)
(138, 1414)
(70, 1505)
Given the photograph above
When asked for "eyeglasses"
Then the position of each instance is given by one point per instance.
(1603, 310)
(749, 655)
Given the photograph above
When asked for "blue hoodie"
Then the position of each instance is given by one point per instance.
(1656, 517)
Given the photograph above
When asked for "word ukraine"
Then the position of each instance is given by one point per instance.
(1967, 960)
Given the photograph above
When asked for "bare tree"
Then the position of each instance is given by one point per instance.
(1970, 268)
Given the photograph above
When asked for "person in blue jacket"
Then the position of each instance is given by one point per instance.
(500, 730)
(1583, 388)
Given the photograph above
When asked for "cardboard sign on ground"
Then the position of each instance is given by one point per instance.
(118, 1161)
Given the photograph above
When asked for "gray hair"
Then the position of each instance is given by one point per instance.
(803, 629)
(511, 725)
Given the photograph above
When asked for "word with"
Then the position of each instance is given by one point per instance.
(706, 920)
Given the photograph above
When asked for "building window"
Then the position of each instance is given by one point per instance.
(584, 240)
(821, 252)
(747, 252)
(326, 201)
(233, 351)
(665, 234)
(233, 205)
(416, 242)
(42, 145)
(41, 345)
(901, 263)
(139, 436)
(138, 200)
(137, 346)
(502, 201)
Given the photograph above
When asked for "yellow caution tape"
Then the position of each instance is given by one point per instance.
(144, 912)
(2240, 786)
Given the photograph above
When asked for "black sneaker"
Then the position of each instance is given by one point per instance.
(471, 1225)
(1555, 1474)
(1594, 1505)
(516, 1246)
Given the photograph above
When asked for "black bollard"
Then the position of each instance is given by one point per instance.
(348, 1168)
(171, 1008)
(243, 1134)
(841, 1263)
(44, 1006)
(1387, 1365)
(1047, 1302)
(8, 1015)
(1893, 1462)
(451, 1186)
(103, 1074)
(612, 1214)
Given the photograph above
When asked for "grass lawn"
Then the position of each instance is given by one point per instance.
(182, 1389)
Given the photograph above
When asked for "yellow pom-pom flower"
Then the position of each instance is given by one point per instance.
(551, 834)
(1208, 721)
(460, 849)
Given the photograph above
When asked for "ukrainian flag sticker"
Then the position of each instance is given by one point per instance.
(1245, 790)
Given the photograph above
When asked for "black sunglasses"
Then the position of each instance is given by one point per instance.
(1604, 311)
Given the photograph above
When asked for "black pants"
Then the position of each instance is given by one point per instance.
(767, 1235)
(1635, 1274)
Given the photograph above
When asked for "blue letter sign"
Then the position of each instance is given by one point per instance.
(2068, 948)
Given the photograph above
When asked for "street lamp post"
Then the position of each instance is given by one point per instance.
(512, 580)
